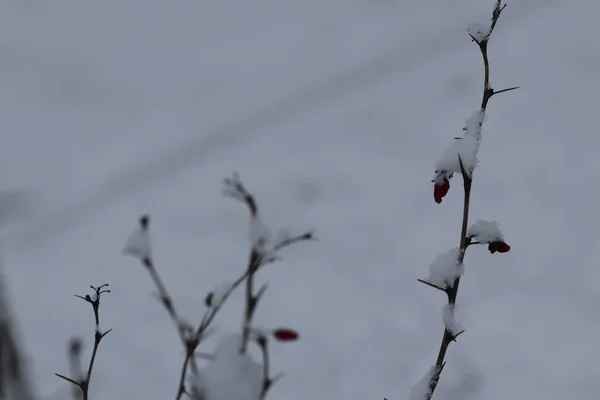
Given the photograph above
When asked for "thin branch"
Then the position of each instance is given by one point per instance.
(465, 241)
(267, 381)
(432, 285)
(83, 383)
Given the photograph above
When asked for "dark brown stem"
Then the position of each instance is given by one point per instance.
(267, 381)
(452, 292)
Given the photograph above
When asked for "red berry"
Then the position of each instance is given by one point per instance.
(498, 246)
(285, 334)
(440, 190)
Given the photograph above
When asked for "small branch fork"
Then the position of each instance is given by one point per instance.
(83, 382)
(452, 291)
(258, 256)
(190, 337)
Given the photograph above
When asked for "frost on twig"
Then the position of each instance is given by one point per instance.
(445, 269)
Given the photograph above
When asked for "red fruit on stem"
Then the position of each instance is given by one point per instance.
(498, 246)
(285, 334)
(440, 190)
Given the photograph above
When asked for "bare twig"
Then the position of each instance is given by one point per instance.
(268, 381)
(83, 383)
(163, 294)
(452, 291)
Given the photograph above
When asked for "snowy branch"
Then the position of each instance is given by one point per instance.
(461, 157)
(83, 382)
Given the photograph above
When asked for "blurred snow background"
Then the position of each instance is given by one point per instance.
(334, 113)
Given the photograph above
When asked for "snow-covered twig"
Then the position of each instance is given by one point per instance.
(83, 383)
(445, 273)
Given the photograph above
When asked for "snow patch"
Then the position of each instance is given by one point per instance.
(445, 269)
(421, 390)
(466, 148)
(450, 322)
(485, 231)
(230, 375)
(479, 31)
(139, 244)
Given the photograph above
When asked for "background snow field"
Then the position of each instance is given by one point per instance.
(334, 113)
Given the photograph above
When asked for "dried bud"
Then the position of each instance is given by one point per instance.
(208, 300)
(498, 246)
(440, 190)
(144, 222)
(75, 346)
(285, 334)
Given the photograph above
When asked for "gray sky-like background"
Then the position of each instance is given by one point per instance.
(334, 112)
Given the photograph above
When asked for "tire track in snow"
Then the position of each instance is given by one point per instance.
(393, 62)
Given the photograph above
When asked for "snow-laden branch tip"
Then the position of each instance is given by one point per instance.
(450, 322)
(479, 32)
(485, 231)
(422, 389)
(445, 269)
(231, 375)
(139, 244)
(463, 150)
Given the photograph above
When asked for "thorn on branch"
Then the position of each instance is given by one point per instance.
(457, 335)
(504, 90)
(432, 285)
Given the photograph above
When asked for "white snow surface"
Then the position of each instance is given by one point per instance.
(333, 112)
(445, 269)
(485, 231)
(230, 375)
